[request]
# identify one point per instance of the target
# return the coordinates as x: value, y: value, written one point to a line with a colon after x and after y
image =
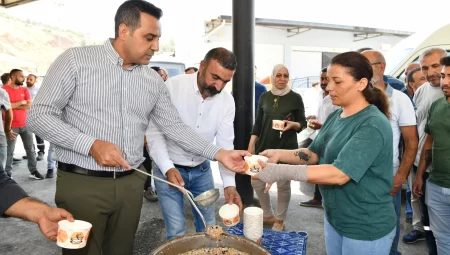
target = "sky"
x: 186, y: 18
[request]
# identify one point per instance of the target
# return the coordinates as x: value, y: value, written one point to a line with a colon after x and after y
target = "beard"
x: 208, y: 90
x: 29, y: 84
x: 18, y: 83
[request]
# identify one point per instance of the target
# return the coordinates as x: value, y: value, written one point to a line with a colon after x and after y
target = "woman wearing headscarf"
x: 280, y: 103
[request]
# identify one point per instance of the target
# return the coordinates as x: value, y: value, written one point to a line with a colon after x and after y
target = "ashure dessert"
x: 214, y: 231
x: 215, y: 251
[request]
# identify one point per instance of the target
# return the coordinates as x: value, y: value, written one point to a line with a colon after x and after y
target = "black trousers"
x: 40, y: 144
x: 148, y: 167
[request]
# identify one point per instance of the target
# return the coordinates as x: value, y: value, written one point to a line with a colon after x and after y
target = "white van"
x: 173, y: 65
x: 408, y: 50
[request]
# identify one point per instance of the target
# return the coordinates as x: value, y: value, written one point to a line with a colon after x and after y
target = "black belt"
x: 79, y: 170
x: 187, y: 168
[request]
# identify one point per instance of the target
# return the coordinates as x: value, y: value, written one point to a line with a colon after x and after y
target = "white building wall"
x: 301, y: 53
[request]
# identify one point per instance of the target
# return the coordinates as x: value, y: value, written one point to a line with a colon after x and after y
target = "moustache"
x: 433, y: 76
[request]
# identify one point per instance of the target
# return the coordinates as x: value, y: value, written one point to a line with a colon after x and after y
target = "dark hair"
x: 32, y: 75
x: 14, y: 71
x: 445, y: 61
x: 324, y: 70
x: 409, y: 76
x: 363, y: 49
x: 191, y: 68
x: 129, y: 13
x: 5, y: 78
x: 226, y: 58
x: 359, y: 67
x: 156, y: 68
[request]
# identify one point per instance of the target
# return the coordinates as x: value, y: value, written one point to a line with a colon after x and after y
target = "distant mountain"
x: 32, y: 46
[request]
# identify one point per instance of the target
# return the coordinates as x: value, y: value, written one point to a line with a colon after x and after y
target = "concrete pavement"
x: 18, y: 237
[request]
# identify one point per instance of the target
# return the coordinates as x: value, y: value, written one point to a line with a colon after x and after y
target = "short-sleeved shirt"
x: 360, y: 146
x: 5, y: 105
x: 438, y: 125
x: 402, y: 115
x: 33, y: 91
x: 16, y: 95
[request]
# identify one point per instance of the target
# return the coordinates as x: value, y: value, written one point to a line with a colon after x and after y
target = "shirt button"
x: 198, y: 126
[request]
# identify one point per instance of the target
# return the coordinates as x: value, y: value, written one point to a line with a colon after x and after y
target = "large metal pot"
x: 200, y: 240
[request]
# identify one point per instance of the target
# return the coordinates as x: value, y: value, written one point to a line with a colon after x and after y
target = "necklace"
x: 275, y: 102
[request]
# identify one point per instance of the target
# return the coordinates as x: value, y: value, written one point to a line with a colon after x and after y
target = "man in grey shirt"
x: 5, y: 128
x: 97, y: 126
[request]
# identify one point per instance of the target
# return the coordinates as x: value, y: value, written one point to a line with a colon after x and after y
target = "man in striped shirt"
x: 97, y: 125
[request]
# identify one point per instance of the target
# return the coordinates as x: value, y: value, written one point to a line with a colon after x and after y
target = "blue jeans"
x: 438, y: 201
x: 196, y: 180
x: 51, y: 157
x: 397, y: 200
x: 337, y: 244
x: 408, y: 208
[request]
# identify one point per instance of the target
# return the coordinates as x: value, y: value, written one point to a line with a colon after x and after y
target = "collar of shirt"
x: 112, y: 54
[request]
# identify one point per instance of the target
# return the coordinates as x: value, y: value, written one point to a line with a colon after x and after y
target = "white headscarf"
x: 275, y: 91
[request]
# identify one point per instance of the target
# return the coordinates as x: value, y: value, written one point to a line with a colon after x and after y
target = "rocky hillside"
x: 33, y: 47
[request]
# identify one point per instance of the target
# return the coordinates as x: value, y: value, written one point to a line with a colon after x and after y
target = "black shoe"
x: 49, y: 174
x: 25, y: 157
x: 150, y: 195
x: 40, y: 156
x: 36, y: 175
x: 16, y: 159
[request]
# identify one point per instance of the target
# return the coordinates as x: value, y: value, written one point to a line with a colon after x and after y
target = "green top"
x: 270, y: 108
x: 438, y: 125
x: 360, y: 146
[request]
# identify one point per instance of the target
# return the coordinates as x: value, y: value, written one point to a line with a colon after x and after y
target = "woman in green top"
x: 280, y: 103
x: 354, y: 152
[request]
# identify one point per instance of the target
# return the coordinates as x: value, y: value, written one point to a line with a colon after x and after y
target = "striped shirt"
x: 87, y: 95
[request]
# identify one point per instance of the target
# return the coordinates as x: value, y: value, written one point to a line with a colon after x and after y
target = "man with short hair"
x: 20, y: 103
x: 206, y: 107
x: 436, y: 151
x: 190, y: 70
x: 5, y: 79
x: 403, y: 123
x: 415, y: 79
x: 326, y: 107
x: 423, y: 98
x: 31, y: 86
x: 98, y: 124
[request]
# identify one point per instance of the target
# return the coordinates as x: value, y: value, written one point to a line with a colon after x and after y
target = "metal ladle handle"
x: 189, y: 195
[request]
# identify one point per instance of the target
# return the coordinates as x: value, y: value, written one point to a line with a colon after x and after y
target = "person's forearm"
x: 251, y: 144
x: 16, y: 104
x: 322, y: 174
x: 425, y: 156
x: 298, y: 157
x: 297, y: 126
x: 8, y: 120
x: 408, y: 159
x: 27, y: 209
x: 24, y: 107
x: 45, y: 121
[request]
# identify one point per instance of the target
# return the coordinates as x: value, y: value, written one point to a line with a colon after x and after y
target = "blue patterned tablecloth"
x: 277, y: 242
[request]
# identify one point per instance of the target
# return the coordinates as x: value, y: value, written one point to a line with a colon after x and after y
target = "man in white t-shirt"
x: 326, y: 107
x: 403, y: 123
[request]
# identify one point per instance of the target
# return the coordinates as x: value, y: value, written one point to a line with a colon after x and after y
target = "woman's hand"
x: 314, y: 124
x: 272, y: 155
x: 288, y: 125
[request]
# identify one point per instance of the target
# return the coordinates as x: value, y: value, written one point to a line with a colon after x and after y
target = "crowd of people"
x: 371, y: 133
